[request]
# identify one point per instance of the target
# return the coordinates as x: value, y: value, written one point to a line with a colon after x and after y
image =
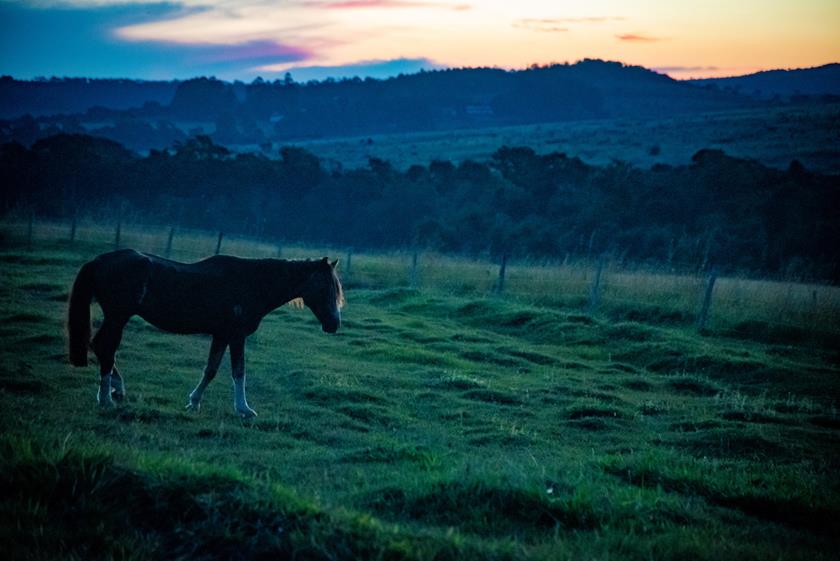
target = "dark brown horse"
x: 225, y: 297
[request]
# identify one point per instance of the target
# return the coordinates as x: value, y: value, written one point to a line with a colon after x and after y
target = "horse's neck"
x: 284, y: 280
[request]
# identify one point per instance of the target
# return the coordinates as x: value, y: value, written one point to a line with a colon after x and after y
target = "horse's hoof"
x: 117, y: 396
x: 246, y: 413
x: 194, y: 406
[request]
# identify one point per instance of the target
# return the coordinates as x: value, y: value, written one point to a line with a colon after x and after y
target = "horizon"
x: 349, y: 75
x: 320, y: 39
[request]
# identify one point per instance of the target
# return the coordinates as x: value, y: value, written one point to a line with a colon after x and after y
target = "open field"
x: 439, y: 423
x: 772, y: 135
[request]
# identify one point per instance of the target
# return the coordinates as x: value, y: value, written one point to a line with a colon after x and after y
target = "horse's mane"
x: 339, y: 290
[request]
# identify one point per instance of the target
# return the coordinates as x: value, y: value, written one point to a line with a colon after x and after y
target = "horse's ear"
x: 325, y: 259
x: 334, y: 264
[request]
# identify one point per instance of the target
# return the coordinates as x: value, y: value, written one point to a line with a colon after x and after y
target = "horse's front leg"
x: 237, y: 363
x: 117, y: 385
x: 217, y: 351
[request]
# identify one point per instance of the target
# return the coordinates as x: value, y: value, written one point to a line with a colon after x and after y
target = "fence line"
x: 719, y: 305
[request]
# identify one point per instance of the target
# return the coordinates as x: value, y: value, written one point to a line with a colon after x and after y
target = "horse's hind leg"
x: 104, y: 346
x: 217, y: 351
x: 237, y: 363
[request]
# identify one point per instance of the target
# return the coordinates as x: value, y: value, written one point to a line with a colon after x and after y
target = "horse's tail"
x: 78, y: 315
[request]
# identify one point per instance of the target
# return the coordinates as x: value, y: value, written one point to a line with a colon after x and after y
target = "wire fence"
x: 772, y: 311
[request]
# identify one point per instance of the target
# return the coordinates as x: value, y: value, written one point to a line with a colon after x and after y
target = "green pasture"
x: 441, y: 422
x: 773, y: 135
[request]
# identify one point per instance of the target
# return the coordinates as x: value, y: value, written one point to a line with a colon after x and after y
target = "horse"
x: 223, y: 296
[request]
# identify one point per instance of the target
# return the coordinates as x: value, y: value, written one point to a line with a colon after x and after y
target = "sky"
x: 315, y: 39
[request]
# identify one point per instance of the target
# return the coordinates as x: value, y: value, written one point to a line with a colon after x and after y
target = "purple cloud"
x: 257, y: 52
x: 669, y: 69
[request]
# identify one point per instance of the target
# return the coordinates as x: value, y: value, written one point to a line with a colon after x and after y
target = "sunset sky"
x: 242, y: 39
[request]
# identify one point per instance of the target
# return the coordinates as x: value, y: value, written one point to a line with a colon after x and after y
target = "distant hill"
x: 77, y: 95
x: 435, y: 100
x: 817, y: 81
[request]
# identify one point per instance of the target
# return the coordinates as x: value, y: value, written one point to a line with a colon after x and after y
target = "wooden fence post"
x: 118, y: 234
x: 219, y: 242
x: 500, y: 284
x: 413, y: 277
x: 595, y: 287
x: 169, y: 241
x: 707, y: 301
x: 29, y: 231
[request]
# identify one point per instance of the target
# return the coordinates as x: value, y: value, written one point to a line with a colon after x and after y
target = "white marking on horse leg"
x: 196, y: 395
x: 117, y: 386
x: 239, y: 401
x: 103, y: 396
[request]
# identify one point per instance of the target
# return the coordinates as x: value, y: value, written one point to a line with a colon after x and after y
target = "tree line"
x: 144, y: 115
x: 715, y: 211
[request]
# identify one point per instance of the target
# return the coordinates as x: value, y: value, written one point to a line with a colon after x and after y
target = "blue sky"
x: 313, y: 39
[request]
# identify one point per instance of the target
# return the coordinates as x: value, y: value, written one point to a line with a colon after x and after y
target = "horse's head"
x: 324, y: 295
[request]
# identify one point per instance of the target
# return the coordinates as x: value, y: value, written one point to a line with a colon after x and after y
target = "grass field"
x: 439, y: 423
x: 772, y: 135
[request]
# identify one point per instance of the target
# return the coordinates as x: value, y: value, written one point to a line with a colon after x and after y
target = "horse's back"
x: 195, y: 297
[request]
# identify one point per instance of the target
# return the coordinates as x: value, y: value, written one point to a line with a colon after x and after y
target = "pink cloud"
x: 638, y: 37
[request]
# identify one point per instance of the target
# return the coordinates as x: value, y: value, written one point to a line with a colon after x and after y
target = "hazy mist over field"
x: 509, y: 280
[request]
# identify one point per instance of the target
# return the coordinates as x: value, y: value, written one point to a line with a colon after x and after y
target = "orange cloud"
x: 549, y: 25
